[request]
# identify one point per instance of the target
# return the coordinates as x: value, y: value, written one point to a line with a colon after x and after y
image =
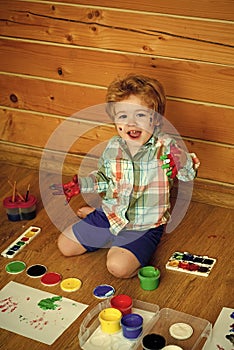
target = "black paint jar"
x: 153, y: 342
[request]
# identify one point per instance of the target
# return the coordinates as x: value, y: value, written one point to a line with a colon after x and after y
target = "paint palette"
x: 190, y: 263
x: 23, y: 240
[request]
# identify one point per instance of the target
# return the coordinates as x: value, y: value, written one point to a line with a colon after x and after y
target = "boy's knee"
x: 116, y: 269
x: 63, y: 246
x: 68, y: 247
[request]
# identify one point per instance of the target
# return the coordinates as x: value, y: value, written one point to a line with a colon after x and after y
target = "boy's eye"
x: 121, y: 116
x: 141, y: 115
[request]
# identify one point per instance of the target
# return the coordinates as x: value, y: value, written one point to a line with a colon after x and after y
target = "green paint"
x: 15, y: 267
x: 49, y: 303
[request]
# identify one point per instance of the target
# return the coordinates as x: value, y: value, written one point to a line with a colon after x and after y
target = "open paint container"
x: 132, y: 325
x: 153, y: 342
x: 110, y: 320
x: 123, y: 303
x: 149, y: 277
x: 20, y: 210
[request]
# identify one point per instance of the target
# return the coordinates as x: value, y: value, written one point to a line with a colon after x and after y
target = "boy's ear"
x: 157, y: 119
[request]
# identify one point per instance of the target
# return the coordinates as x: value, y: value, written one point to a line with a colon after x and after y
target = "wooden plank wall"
x: 57, y: 58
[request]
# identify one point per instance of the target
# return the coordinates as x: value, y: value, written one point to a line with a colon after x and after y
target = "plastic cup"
x: 20, y: 210
x: 132, y: 326
x: 123, y: 303
x: 149, y: 277
x: 110, y: 320
x: 153, y: 342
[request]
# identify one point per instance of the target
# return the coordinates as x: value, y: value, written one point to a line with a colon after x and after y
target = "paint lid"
x: 70, y: 284
x: 51, y: 279
x: 15, y: 267
x: 36, y: 271
x: 181, y: 331
x: 103, y: 291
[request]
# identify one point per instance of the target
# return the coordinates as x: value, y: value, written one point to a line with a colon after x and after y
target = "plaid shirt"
x: 136, y: 189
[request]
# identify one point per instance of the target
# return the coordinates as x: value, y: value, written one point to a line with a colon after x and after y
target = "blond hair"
x: 149, y: 90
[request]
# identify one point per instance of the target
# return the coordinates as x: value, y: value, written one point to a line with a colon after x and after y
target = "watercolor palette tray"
x: 190, y: 263
x: 166, y: 317
x: 91, y: 336
x: 23, y: 240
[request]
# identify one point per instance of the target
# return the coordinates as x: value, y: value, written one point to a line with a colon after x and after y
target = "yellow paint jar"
x: 110, y: 320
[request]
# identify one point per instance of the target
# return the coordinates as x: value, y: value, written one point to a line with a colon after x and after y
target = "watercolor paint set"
x: 23, y: 240
x: 200, y: 265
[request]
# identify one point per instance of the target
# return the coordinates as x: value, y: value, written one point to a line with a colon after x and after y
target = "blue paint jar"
x: 132, y: 326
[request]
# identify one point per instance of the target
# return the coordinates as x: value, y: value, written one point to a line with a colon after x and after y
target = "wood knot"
x: 60, y: 71
x: 94, y: 29
x: 13, y: 98
x: 93, y: 14
x: 69, y: 38
x: 147, y: 48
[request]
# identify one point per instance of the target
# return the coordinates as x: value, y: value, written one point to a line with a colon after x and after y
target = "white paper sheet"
x: 223, y: 327
x: 36, y: 314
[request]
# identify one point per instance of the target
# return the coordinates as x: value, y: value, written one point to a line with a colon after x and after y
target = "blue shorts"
x: 93, y: 233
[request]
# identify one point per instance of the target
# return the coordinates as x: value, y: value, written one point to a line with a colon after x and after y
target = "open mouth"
x: 134, y: 134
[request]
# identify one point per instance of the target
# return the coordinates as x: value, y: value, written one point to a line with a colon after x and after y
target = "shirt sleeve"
x: 188, y: 172
x: 97, y: 181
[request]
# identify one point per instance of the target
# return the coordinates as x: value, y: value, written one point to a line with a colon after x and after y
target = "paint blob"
x: 36, y: 271
x: 51, y: 279
x: 15, y: 267
x: 49, y: 303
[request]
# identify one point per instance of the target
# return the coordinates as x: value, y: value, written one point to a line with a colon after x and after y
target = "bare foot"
x: 84, y: 211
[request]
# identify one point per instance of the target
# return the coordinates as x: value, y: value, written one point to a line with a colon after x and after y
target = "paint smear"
x: 49, y: 303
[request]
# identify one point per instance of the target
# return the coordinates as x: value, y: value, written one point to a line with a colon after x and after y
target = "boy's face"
x: 134, y: 120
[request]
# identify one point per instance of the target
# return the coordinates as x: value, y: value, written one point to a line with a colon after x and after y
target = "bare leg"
x: 122, y: 263
x: 84, y: 211
x: 68, y: 244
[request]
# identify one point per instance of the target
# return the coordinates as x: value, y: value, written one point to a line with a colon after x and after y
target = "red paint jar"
x: 123, y: 303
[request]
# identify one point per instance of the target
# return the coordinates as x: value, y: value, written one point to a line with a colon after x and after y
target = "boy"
x: 133, y: 178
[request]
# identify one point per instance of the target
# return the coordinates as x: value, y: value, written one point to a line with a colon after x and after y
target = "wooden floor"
x: 205, y: 230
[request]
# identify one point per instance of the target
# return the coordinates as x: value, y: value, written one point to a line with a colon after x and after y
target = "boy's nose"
x: 131, y: 120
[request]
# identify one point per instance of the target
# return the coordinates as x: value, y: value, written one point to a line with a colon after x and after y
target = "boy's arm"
x: 96, y: 182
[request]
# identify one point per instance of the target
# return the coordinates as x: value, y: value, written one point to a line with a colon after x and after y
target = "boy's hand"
x: 70, y: 189
x: 173, y: 161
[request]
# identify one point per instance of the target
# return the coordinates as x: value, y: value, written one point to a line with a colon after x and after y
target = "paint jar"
x: 153, y: 342
x: 149, y: 277
x: 20, y: 210
x: 110, y: 320
x: 123, y: 303
x: 132, y: 326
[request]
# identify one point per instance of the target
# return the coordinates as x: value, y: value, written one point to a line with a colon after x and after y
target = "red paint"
x: 51, y: 278
x: 183, y: 265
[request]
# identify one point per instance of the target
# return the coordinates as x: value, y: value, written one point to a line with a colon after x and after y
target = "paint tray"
x: 167, y: 317
x: 91, y: 336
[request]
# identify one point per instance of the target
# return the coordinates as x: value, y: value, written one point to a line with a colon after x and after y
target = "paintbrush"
x: 13, y: 193
x: 16, y: 192
x: 27, y: 193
